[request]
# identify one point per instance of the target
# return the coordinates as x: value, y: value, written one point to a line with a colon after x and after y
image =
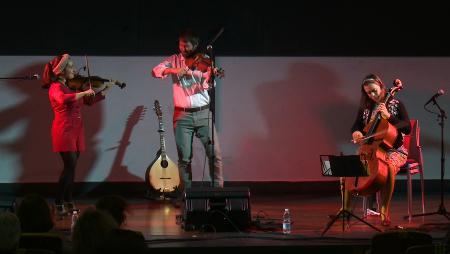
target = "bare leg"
x: 386, y: 194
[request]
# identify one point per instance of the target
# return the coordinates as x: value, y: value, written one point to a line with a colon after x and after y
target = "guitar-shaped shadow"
x: 118, y: 171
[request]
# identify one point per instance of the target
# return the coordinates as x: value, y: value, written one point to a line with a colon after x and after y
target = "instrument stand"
x: 163, y: 196
x: 441, y: 210
x: 342, y: 166
x: 158, y: 196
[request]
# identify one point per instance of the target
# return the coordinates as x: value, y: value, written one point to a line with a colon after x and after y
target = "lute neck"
x: 162, y: 141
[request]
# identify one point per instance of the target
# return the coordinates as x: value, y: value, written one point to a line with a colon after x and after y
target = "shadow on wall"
x: 33, y: 146
x: 305, y: 116
x: 38, y: 163
x: 118, y: 171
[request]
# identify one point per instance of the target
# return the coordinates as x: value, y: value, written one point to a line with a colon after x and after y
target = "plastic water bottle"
x: 286, y: 221
x: 74, y: 219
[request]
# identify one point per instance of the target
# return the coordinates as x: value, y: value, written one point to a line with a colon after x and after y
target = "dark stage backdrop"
x: 275, y: 116
x: 252, y: 28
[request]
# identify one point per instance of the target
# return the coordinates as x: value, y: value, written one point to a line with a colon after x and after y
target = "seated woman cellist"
x: 373, y: 96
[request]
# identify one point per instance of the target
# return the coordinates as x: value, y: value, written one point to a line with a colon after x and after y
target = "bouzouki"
x: 162, y: 175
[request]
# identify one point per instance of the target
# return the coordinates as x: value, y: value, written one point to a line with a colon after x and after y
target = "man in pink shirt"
x: 191, y: 115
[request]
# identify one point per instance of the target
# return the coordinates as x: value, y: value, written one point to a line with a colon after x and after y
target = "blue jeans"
x: 186, y: 125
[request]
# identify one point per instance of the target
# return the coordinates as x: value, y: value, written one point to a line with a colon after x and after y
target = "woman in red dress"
x: 67, y: 128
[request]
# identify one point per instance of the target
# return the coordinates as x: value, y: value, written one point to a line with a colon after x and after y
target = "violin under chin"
x: 74, y: 86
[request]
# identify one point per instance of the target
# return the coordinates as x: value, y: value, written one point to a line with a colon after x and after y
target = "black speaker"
x: 216, y: 209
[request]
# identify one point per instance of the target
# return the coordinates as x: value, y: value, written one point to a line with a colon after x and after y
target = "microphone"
x: 209, y: 47
x: 439, y: 93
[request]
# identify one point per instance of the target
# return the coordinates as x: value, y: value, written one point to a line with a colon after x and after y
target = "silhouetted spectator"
x: 34, y: 214
x: 123, y: 241
x: 116, y: 206
x: 91, y: 230
x: 9, y: 232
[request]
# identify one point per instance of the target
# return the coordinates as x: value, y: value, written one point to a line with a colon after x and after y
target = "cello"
x: 379, y: 137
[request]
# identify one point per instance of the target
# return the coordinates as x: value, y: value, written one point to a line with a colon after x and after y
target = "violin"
x: 380, y: 136
x: 201, y: 62
x: 80, y: 82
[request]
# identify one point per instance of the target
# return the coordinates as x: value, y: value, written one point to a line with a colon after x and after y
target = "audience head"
x: 116, y: 206
x: 91, y: 230
x: 9, y: 232
x: 34, y: 214
x: 123, y: 241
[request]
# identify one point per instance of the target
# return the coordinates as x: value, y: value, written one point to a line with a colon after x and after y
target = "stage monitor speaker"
x: 216, y: 209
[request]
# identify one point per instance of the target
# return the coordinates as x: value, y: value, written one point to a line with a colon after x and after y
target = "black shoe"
x: 71, y: 207
x: 60, y: 210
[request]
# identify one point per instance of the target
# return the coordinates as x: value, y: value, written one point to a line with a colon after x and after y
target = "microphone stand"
x: 34, y: 77
x: 212, y: 106
x: 441, y: 210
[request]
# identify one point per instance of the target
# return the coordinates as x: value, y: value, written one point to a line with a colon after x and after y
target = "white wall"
x: 275, y: 116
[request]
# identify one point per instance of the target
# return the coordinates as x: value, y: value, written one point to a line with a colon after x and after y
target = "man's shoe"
x: 71, y: 207
x: 60, y: 210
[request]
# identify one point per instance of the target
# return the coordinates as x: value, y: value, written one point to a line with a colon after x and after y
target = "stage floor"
x: 157, y: 222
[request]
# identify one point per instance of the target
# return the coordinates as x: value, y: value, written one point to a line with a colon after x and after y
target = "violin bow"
x: 215, y: 37
x: 401, y: 125
x: 367, y: 137
x: 209, y: 50
x: 88, y: 72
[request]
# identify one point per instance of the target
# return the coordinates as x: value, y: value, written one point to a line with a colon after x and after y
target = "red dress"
x: 67, y: 127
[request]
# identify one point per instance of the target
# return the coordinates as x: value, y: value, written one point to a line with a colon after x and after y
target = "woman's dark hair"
x: 366, y: 102
x: 115, y: 206
x: 34, y: 214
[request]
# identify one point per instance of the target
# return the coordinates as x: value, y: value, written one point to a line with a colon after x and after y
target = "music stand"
x: 343, y: 166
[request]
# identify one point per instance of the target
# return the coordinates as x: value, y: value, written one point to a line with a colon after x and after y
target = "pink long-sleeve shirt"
x: 188, y: 91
